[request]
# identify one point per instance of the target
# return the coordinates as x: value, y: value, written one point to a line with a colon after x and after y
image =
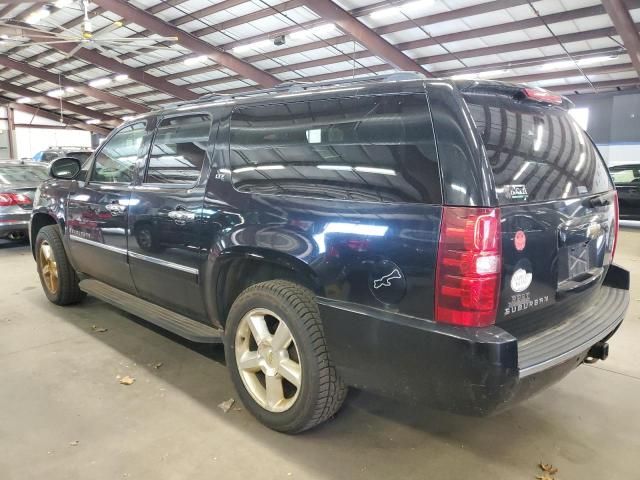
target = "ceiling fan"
x: 38, y: 30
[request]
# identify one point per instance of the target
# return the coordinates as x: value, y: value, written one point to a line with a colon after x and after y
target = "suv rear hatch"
x: 557, y: 204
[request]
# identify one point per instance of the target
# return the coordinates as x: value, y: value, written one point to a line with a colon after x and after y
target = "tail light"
x: 541, y: 95
x: 469, y: 266
x: 616, y: 227
x: 10, y: 199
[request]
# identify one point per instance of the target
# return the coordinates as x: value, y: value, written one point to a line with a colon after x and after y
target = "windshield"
x: 13, y: 174
x: 536, y: 152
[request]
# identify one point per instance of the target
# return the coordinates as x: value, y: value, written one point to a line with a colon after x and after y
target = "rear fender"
x: 233, y: 270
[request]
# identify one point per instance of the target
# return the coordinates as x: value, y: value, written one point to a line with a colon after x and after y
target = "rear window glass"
x: 536, y: 152
x: 10, y: 175
x: 369, y: 148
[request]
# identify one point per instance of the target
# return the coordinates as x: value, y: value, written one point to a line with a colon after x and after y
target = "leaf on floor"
x: 548, y: 468
x: 226, y: 405
x: 99, y: 329
x: 548, y: 471
x: 127, y: 380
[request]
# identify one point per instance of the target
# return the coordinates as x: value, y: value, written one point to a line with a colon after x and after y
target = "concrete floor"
x: 58, y: 386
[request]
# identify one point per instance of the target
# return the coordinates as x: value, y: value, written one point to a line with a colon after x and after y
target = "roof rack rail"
x: 299, y: 86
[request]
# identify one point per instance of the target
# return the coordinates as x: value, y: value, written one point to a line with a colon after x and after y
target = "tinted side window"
x: 179, y: 149
x: 370, y: 148
x: 116, y: 161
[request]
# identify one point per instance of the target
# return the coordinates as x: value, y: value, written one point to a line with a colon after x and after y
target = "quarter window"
x: 369, y: 148
x: 116, y: 161
x: 179, y: 149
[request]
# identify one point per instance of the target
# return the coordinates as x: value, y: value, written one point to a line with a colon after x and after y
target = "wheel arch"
x: 236, y: 269
x: 38, y: 221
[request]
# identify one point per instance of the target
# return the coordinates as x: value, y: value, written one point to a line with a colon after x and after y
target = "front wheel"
x: 58, y: 278
x: 278, y: 358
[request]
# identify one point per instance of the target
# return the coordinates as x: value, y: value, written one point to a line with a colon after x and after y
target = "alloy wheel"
x: 48, y: 267
x: 268, y: 360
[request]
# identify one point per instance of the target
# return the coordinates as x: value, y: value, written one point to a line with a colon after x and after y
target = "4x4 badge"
x: 385, y: 281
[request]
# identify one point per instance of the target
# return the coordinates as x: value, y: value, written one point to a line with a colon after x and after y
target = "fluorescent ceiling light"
x: 381, y: 171
x: 56, y: 93
x: 335, y: 167
x: 407, y: 8
x: 126, y: 118
x: 38, y: 15
x: 194, y: 60
x: 244, y: 169
x: 123, y: 77
x: 270, y: 167
x: 93, y: 121
x: 100, y: 82
x: 252, y: 46
x: 63, y: 3
x: 24, y: 100
x: 581, y: 62
x: 325, y: 28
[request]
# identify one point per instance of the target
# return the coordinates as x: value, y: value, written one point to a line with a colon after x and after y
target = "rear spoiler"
x: 524, y: 93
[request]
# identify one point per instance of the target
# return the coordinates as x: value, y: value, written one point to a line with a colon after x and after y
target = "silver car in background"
x: 18, y: 183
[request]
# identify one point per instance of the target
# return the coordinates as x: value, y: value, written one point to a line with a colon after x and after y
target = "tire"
x: 64, y: 290
x: 146, y: 238
x: 321, y: 392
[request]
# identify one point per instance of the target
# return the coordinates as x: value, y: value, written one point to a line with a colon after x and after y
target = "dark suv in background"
x: 445, y: 242
x: 52, y: 153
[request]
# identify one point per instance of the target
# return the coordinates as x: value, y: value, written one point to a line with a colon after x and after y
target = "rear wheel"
x: 278, y: 357
x: 58, y: 278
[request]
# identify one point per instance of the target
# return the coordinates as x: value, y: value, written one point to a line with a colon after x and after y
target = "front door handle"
x: 181, y: 216
x: 115, y: 209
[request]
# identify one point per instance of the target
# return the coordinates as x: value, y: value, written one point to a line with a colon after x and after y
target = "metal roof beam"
x: 48, y: 114
x: 58, y: 103
x: 50, y: 77
x: 625, y: 27
x: 77, y: 21
x: 587, y: 88
x: 365, y: 35
x: 189, y: 41
x: 139, y: 76
x: 478, y: 52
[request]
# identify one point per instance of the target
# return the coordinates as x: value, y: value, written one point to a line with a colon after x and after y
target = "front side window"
x: 179, y: 149
x: 116, y: 161
x: 368, y: 148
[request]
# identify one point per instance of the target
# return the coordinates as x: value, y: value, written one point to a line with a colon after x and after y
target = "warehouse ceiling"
x: 98, y: 62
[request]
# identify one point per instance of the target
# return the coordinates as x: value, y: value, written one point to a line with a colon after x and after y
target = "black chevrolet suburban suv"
x: 447, y: 242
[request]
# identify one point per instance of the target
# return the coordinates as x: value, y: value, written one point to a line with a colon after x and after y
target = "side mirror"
x: 65, y: 168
